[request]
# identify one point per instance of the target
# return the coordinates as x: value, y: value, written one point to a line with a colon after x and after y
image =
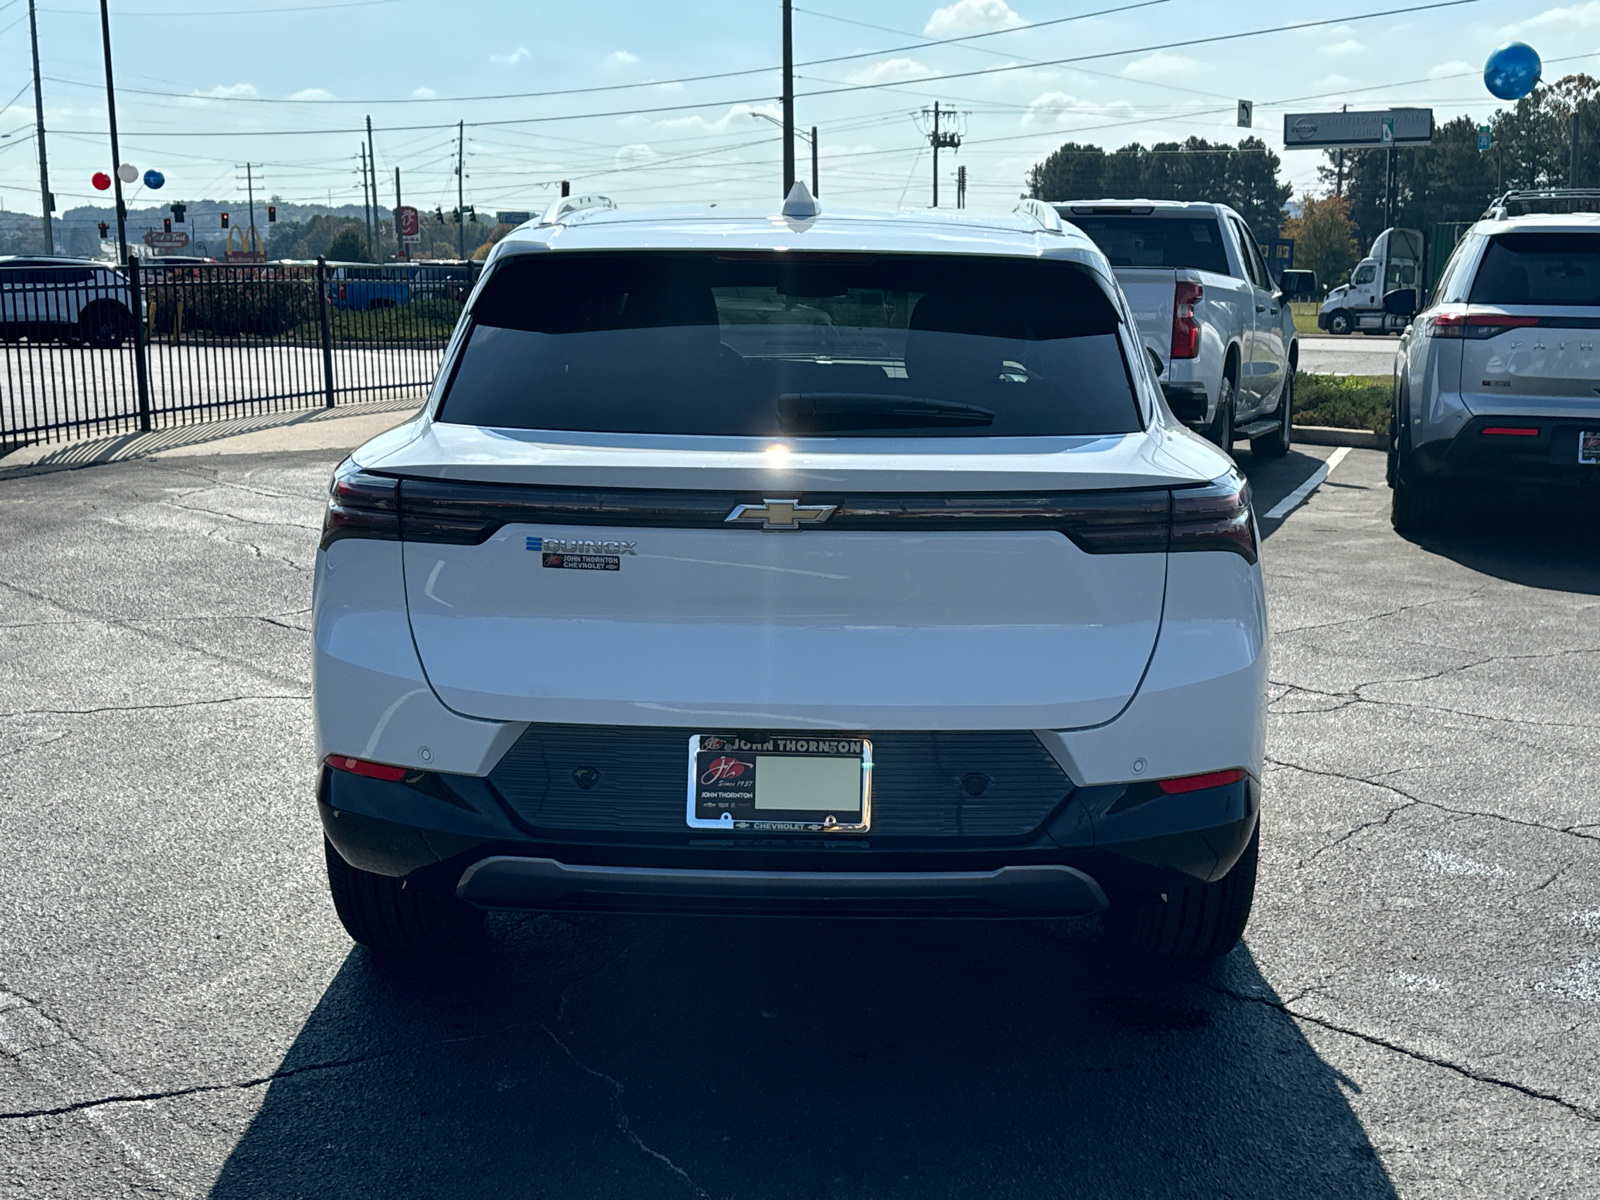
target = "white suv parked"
x: 64, y: 298
x: 1497, y: 378
x: 797, y: 561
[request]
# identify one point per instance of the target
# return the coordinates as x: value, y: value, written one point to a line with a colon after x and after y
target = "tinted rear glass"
x: 762, y: 345
x: 1192, y: 242
x: 1539, y: 268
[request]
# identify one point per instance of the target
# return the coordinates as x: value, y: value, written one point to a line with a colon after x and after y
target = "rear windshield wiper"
x: 807, y: 411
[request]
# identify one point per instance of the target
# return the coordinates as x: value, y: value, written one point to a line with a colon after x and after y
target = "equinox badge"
x: 780, y: 514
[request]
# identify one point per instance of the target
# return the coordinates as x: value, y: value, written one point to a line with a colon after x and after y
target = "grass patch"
x: 1343, y: 401
x: 1305, y: 315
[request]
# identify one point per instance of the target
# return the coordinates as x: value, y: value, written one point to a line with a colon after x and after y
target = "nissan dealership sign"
x: 1386, y: 127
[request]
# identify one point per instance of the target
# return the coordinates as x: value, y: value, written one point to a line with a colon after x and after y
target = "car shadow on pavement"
x: 592, y: 1056
x: 1554, y: 545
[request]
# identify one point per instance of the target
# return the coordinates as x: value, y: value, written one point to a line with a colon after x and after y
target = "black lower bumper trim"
x: 1547, y: 457
x: 1041, y: 890
x: 1187, y: 401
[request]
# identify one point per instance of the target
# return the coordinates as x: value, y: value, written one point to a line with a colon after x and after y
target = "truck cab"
x: 1393, y: 264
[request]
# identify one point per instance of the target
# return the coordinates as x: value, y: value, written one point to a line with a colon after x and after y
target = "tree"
x: 292, y: 239
x: 1324, y: 238
x: 1071, y: 173
x: 349, y: 245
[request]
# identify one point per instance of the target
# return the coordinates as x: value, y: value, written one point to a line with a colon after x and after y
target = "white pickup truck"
x: 1216, y: 325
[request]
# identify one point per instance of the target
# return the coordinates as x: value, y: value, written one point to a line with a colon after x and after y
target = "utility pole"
x: 46, y: 200
x: 1338, y: 176
x: 400, y: 254
x: 948, y: 139
x: 461, y: 188
x: 252, y: 237
x: 961, y: 186
x: 372, y: 165
x: 1572, y: 172
x: 366, y: 197
x: 788, y: 97
x: 815, y: 190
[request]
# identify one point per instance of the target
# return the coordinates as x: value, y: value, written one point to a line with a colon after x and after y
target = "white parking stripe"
x: 1294, y: 499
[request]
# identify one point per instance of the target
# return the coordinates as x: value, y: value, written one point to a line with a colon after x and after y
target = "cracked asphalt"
x: 1414, y: 1011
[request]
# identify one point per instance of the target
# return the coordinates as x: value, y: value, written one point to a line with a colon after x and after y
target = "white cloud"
x: 889, y: 70
x: 1054, y: 108
x: 620, y: 58
x: 223, y: 91
x: 971, y: 16
x: 637, y: 152
x: 671, y: 86
x: 1161, y: 65
x: 1573, y: 16
x: 312, y: 94
x: 738, y: 118
x: 516, y: 56
x: 423, y: 93
x: 1340, y: 49
x: 1453, y: 67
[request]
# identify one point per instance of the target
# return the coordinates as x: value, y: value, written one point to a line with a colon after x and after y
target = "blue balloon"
x: 1512, y: 71
x: 154, y: 179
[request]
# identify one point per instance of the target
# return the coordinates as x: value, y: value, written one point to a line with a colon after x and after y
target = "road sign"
x: 1485, y: 138
x: 167, y: 241
x: 1390, y: 127
x: 513, y: 218
x: 410, y: 225
x: 1246, y: 111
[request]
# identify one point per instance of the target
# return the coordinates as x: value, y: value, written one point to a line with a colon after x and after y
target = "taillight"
x: 1476, y: 326
x: 1509, y: 431
x: 1215, y: 517
x: 372, y: 770
x: 1195, y: 783
x: 1185, y: 327
x: 361, y: 505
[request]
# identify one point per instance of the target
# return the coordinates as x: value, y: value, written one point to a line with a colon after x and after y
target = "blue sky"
x: 286, y: 83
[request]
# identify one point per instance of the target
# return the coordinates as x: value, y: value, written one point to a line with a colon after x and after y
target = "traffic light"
x: 224, y: 220
x: 177, y: 212
x: 439, y: 213
x: 272, y: 213
x: 166, y: 224
x: 474, y: 213
x: 105, y: 231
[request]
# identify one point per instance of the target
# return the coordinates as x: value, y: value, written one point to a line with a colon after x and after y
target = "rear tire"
x: 399, y: 921
x: 1276, y: 444
x: 1192, y: 922
x: 1221, y: 431
x: 1416, y: 506
x: 105, y: 326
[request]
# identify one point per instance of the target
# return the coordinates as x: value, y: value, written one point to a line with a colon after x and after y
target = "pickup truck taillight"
x: 361, y: 505
x: 1185, y: 326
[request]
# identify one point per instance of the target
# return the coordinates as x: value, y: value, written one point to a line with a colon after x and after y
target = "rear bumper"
x: 1188, y: 402
x: 453, y: 835
x: 1548, y: 457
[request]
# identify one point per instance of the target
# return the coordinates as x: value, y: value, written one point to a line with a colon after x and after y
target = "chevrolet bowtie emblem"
x: 780, y: 514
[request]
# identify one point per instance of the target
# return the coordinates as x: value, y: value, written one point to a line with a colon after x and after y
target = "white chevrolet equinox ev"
x: 792, y: 561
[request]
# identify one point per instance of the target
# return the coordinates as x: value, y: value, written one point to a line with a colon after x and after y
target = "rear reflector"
x: 1509, y: 431
x: 1195, y: 783
x: 372, y: 770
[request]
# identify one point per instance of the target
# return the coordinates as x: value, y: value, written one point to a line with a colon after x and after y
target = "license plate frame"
x: 813, y: 785
x: 1589, y: 447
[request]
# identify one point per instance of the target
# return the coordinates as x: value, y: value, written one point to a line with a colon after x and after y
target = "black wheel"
x: 1416, y: 505
x: 1191, y: 922
x: 1221, y: 431
x: 1339, y: 322
x: 1276, y: 444
x: 383, y: 913
x: 105, y: 326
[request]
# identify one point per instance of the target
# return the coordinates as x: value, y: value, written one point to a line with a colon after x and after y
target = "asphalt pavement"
x: 1413, y: 1013
x: 1355, y: 354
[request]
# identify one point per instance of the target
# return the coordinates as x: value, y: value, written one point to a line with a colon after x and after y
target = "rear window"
x: 1193, y: 242
x: 767, y: 344
x: 1539, y: 268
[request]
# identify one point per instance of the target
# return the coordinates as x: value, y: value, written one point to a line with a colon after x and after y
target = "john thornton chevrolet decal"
x: 574, y: 554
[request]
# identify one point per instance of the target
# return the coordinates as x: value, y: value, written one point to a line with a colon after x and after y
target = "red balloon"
x: 101, y: 180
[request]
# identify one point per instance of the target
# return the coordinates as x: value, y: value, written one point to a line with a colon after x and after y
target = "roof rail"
x: 1048, y: 218
x: 567, y: 205
x: 1497, y: 208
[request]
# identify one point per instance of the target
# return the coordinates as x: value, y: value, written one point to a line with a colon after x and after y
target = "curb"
x: 1327, y: 435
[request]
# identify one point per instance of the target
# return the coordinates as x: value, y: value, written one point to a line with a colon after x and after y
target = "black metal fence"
x: 213, y: 340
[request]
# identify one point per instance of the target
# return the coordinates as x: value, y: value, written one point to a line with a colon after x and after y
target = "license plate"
x: 780, y: 784
x: 1589, y: 447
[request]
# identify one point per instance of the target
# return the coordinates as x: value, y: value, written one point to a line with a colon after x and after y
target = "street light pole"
x: 116, y: 155
x: 788, y: 97
x: 815, y: 190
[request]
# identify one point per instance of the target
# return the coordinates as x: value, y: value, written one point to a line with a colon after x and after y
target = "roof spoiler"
x: 1048, y: 218
x: 567, y: 205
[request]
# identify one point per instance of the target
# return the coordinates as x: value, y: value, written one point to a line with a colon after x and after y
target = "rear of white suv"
x: 841, y: 565
x: 1499, y: 378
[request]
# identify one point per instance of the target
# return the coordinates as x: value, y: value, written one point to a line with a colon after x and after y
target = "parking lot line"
x: 1293, y: 500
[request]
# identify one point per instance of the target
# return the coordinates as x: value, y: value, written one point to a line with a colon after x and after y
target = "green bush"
x: 1343, y: 401
x: 230, y: 306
